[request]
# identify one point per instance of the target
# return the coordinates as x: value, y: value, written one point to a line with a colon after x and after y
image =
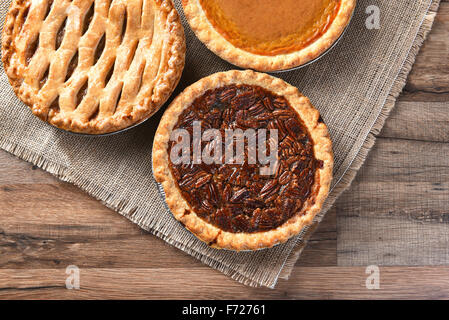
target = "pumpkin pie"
x: 268, y: 35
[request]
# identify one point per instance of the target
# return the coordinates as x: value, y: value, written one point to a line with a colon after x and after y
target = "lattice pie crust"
x: 93, y: 66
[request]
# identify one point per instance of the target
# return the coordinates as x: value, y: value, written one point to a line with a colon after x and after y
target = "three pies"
x: 93, y: 66
x: 268, y: 35
x: 239, y: 206
x: 99, y: 66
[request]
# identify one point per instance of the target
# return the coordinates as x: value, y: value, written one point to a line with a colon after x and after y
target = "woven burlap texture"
x: 354, y: 87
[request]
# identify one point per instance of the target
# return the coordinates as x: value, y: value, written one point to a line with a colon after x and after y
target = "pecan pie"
x: 237, y: 205
x: 93, y: 66
x: 268, y: 35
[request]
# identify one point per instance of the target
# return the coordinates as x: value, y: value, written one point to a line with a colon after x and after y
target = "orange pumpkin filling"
x: 268, y: 27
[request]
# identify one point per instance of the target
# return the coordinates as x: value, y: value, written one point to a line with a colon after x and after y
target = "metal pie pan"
x: 90, y: 135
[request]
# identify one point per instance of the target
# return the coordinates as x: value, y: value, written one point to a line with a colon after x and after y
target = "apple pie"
x: 93, y: 66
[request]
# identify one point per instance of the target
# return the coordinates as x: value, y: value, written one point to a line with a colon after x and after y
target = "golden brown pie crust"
x: 90, y: 66
x: 264, y: 48
x: 178, y: 205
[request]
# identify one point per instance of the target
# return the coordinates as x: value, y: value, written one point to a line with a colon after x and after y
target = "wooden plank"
x: 321, y: 249
x: 426, y: 282
x: 406, y: 161
x: 15, y: 171
x: 425, y: 121
x: 431, y: 71
x: 396, y: 211
x: 204, y: 283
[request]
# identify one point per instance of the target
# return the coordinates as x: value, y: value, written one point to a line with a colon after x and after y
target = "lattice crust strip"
x: 93, y: 66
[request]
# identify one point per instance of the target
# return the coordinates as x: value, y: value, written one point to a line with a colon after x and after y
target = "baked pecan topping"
x: 237, y: 197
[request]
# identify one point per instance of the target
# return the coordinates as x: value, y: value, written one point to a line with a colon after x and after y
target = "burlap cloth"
x: 354, y: 87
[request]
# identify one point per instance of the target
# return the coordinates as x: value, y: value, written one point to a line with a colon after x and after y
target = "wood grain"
x: 395, y: 215
x: 431, y: 71
x: 196, y: 282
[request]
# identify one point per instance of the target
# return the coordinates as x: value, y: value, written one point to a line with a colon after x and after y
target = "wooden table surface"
x: 395, y: 215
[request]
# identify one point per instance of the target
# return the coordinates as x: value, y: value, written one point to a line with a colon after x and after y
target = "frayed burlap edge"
x: 351, y: 172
